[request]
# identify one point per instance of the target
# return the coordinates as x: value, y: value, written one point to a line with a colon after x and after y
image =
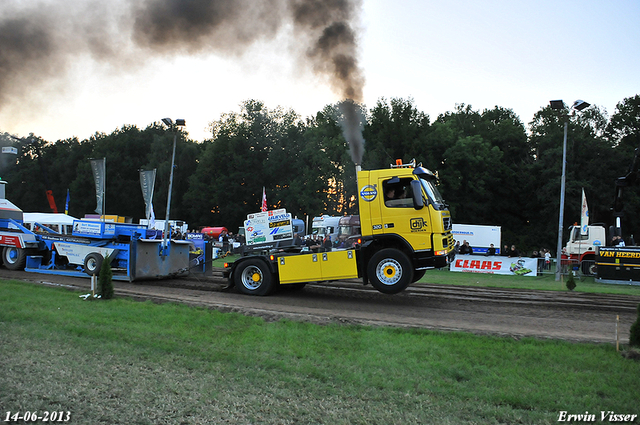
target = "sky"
x: 516, y: 55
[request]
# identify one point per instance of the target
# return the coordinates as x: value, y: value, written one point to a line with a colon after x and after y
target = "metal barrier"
x: 582, y: 268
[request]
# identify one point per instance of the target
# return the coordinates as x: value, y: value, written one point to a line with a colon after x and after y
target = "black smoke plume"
x: 39, y: 41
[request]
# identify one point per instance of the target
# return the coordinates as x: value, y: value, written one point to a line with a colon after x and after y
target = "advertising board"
x: 268, y: 226
x: 479, y: 237
x: 495, y: 265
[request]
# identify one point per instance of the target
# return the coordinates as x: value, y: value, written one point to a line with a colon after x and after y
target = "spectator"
x: 547, y: 259
x: 465, y: 249
x: 224, y: 238
x: 491, y: 250
x: 327, y: 245
x: 617, y: 241
x: 513, y: 252
x: 505, y: 251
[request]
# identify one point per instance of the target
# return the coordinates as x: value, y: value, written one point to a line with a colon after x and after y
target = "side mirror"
x: 416, y: 189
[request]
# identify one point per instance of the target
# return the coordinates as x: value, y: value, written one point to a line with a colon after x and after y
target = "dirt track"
x: 543, y: 314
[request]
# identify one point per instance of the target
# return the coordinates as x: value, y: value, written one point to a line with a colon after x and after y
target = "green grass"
x: 545, y: 282
x: 121, y: 361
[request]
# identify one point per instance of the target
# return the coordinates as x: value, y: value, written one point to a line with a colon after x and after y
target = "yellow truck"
x: 406, y: 230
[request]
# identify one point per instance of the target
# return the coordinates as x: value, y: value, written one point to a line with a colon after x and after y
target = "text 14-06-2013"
x: 46, y: 416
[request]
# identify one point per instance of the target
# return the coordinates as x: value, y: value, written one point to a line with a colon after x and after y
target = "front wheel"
x: 253, y: 277
x: 390, y: 271
x: 417, y: 275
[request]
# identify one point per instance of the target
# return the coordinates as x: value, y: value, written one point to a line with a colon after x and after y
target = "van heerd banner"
x: 497, y: 265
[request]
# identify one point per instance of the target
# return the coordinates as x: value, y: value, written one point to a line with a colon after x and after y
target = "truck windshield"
x: 344, y: 230
x: 432, y: 193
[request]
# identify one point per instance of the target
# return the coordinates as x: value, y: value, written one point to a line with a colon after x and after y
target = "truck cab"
x: 581, y: 248
x: 325, y: 225
x: 401, y: 207
x: 349, y: 231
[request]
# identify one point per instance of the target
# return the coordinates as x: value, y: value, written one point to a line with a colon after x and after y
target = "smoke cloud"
x: 41, y: 39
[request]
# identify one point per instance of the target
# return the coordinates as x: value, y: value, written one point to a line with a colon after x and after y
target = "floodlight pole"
x: 562, y: 191
x: 578, y: 105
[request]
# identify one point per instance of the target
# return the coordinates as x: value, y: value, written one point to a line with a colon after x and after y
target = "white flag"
x: 584, y: 216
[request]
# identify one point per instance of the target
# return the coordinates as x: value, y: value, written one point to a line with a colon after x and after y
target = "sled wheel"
x: 93, y: 263
x: 14, y: 258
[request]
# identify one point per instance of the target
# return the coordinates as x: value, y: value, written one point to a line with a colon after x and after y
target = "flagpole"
x: 104, y: 191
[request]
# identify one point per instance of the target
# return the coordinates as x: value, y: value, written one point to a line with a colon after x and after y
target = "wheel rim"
x: 91, y: 264
x: 252, y: 278
x: 389, y: 271
x: 11, y: 255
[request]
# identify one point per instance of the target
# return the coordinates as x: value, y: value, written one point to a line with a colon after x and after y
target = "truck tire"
x: 417, y: 275
x: 93, y: 263
x: 14, y: 258
x: 390, y: 271
x: 253, y: 277
x: 589, y: 267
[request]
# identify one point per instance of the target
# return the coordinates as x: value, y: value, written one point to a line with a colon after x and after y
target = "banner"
x: 584, y: 216
x: 147, y: 183
x: 99, y: 168
x: 264, y: 200
x: 515, y: 266
x: 268, y: 226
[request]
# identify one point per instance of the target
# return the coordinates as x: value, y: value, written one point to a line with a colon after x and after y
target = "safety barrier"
x: 582, y: 268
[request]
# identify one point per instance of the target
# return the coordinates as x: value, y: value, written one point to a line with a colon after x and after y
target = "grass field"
x: 121, y: 361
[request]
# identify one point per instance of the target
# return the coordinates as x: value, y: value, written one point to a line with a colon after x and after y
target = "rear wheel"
x: 390, y: 271
x: 253, y: 277
x: 14, y: 258
x: 589, y: 267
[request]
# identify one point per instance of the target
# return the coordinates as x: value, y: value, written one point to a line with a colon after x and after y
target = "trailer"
x: 480, y: 237
x: 406, y: 230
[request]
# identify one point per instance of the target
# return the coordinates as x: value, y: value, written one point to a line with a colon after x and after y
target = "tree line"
x: 493, y: 169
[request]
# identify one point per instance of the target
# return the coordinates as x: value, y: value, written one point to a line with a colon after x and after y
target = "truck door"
x: 399, y: 216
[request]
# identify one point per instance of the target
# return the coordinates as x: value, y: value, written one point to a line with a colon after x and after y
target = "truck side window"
x: 398, y: 193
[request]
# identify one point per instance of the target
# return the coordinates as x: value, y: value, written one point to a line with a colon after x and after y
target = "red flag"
x: 52, y: 202
x: 264, y: 200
